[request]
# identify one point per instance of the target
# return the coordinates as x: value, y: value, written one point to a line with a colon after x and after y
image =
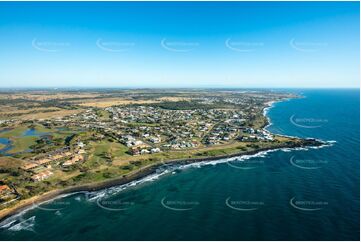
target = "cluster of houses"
x: 138, y: 127
x: 143, y: 150
x: 217, y: 99
x: 130, y: 141
x: 42, y: 175
x: 180, y: 144
x: 7, y: 193
x: 73, y: 160
x: 223, y: 132
x: 41, y: 167
x: 148, y: 114
x: 148, y: 129
x: 4, y: 189
x: 6, y: 122
x: 252, y: 135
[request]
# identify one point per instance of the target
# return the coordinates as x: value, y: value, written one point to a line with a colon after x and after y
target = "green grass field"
x: 22, y: 143
x: 18, y: 131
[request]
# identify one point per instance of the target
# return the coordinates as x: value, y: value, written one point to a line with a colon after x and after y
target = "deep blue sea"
x: 283, y: 195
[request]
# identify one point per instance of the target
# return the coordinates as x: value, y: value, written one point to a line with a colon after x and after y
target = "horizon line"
x: 185, y: 87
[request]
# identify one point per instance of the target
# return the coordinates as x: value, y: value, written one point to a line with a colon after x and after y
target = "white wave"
x: 93, y: 196
x: 331, y: 141
x: 261, y: 154
x: 8, y: 224
x: 265, y: 112
x: 270, y: 105
x: 286, y: 149
x: 269, y: 121
x: 327, y: 144
x: 27, y: 224
x: 18, y: 217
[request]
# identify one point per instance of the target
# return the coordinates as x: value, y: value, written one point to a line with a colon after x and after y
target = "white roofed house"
x: 73, y: 160
x: 155, y: 150
x: 138, y: 142
x: 42, y: 176
x: 144, y: 151
x: 81, y: 144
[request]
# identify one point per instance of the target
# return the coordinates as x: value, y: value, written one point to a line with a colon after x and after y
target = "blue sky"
x: 179, y: 44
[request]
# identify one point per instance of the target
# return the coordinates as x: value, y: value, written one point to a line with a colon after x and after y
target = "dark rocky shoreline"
x: 139, y: 174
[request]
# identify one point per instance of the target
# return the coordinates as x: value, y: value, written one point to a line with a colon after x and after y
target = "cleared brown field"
x: 37, y: 114
x: 108, y: 102
x: 18, y: 112
x: 9, y: 162
x: 47, y: 96
x: 50, y: 115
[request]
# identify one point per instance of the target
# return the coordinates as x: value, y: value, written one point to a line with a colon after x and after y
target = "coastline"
x: 143, y: 172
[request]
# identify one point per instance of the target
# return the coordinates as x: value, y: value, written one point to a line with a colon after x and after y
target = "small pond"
x: 8, y: 145
x: 33, y: 132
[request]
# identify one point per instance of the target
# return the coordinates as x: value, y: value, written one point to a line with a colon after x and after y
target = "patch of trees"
x: 136, y: 163
x: 126, y: 167
x: 69, y: 139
